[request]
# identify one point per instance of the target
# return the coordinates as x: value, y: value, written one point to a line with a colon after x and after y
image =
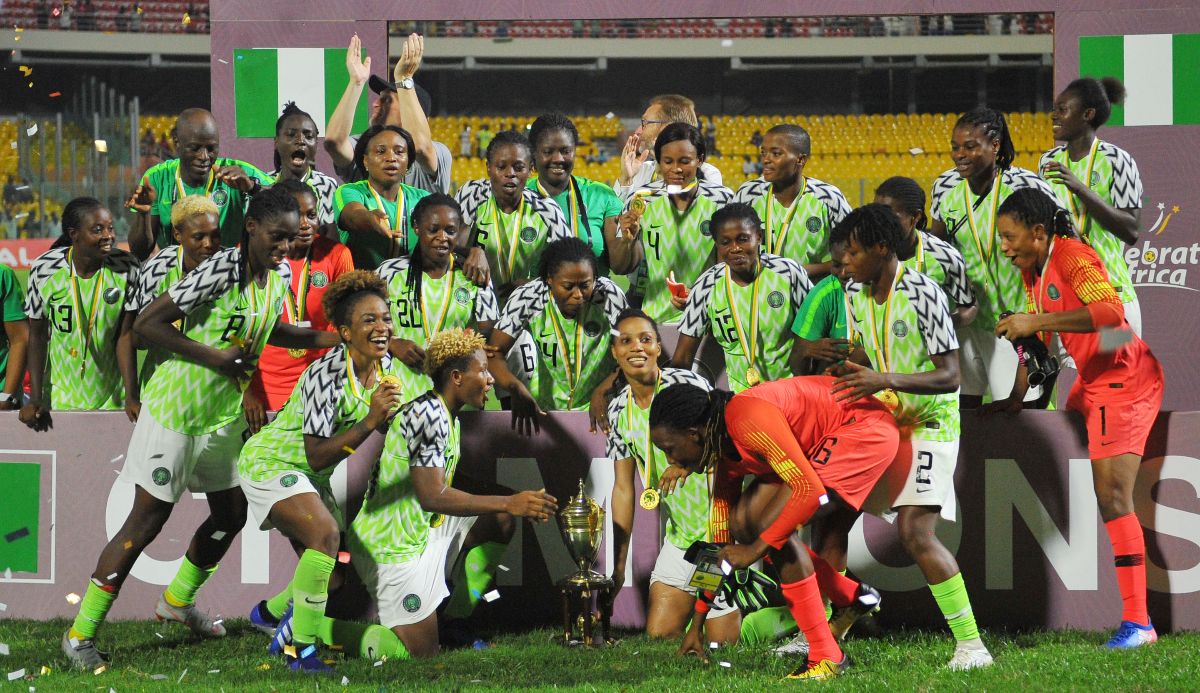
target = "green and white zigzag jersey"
x: 392, y: 527
x: 674, y: 241
x: 1116, y: 180
x: 160, y: 273
x: 464, y: 305
x: 324, y: 404
x: 993, y: 278
x: 531, y: 308
x: 324, y: 187
x: 942, y: 263
x: 781, y: 286
x: 899, y: 337
x: 799, y: 232
x: 512, y: 242
x: 81, y: 373
x: 192, y: 399
x: 686, y: 509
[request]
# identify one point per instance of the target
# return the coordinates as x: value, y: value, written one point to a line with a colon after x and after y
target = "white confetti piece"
x: 726, y: 43
x: 8, y: 573
x: 727, y: 665
x: 32, y: 689
x: 72, y: 598
x: 503, y: 567
x: 226, y: 62
x: 345, y: 681
x: 491, y: 596
x: 160, y: 636
x: 379, y: 663
x: 713, y: 645
x: 111, y: 576
x: 14, y: 675
x: 3, y: 606
x: 3, y: 649
x: 218, y: 535
x: 214, y: 671
x: 916, y: 150
x: 181, y: 676
x: 116, y: 459
x: 102, y: 146
x: 158, y: 677
x: 31, y: 130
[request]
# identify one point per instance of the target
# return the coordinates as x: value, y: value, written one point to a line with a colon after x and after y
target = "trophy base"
x: 583, y: 595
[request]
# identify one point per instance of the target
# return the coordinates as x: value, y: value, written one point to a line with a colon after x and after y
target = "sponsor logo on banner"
x: 1156, y: 261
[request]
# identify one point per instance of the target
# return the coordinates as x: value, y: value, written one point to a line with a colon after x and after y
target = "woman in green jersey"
x: 636, y: 349
x: 668, y: 223
x: 429, y: 293
x: 1097, y: 181
x: 81, y: 348
x: 373, y: 214
x: 512, y: 223
x: 190, y: 428
x: 747, y: 302
x: 568, y: 313
x: 590, y: 207
x: 285, y: 468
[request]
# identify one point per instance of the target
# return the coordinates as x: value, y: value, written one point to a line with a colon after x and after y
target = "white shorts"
x: 673, y: 570
x: 407, y: 593
x: 263, y: 495
x: 166, y: 463
x: 988, y: 363
x: 930, y: 479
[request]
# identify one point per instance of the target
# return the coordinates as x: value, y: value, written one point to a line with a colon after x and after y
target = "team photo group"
x: 262, y: 325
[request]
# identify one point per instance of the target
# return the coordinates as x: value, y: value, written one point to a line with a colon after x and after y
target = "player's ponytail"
x: 1031, y: 206
x: 995, y: 128
x: 73, y: 217
x: 1099, y: 95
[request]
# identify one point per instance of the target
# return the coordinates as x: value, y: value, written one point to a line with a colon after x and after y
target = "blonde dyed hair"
x: 340, y: 297
x: 450, y: 348
x: 192, y: 206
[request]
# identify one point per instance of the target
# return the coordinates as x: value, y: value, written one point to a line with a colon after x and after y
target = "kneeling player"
x: 782, y: 433
x: 413, y: 523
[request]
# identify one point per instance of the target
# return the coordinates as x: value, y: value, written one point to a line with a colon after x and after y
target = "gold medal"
x: 650, y: 499
x: 390, y: 379
x: 753, y: 377
x: 889, y: 398
x: 637, y: 206
x: 297, y: 353
x: 436, y: 520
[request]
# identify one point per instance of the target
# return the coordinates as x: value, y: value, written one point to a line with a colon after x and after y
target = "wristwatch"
x: 406, y: 83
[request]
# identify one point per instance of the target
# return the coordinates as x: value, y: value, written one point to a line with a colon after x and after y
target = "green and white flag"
x: 264, y: 79
x: 1161, y: 73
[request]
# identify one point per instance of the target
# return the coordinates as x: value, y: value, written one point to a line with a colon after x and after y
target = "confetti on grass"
x: 3, y: 649
x: 181, y: 677
x: 727, y: 665
x: 72, y: 598
x: 158, y: 677
x: 14, y: 675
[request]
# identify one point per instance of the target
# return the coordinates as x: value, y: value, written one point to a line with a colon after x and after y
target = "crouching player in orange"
x: 1120, y: 385
x: 806, y: 450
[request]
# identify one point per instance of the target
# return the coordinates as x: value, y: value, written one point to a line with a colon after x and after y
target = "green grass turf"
x: 534, y: 660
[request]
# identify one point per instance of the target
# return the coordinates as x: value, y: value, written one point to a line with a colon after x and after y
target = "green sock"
x: 92, y: 610
x: 952, y: 599
x: 470, y: 581
x: 278, y: 604
x: 766, y: 625
x: 371, y: 641
x: 310, y: 591
x: 182, y: 590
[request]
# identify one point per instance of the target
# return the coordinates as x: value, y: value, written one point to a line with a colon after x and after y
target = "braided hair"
x: 73, y: 218
x: 1098, y: 94
x: 290, y: 109
x: 1031, y: 206
x: 566, y: 251
x: 738, y: 212
x: 871, y: 225
x: 995, y: 128
x: 507, y: 137
x: 416, y: 260
x: 683, y: 405
x: 267, y: 204
x: 908, y: 194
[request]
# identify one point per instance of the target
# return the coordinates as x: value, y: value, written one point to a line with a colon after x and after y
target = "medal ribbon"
x: 572, y: 381
x: 397, y: 223
x: 883, y: 344
x: 920, y: 252
x: 647, y: 465
x: 511, y: 261
x: 991, y: 228
x: 748, y: 346
x: 441, y: 319
x: 208, y: 187
x: 777, y: 246
x: 1041, y: 286
x: 86, y: 325
x: 1079, y: 213
x: 296, y: 300
x: 356, y: 388
x: 258, y: 318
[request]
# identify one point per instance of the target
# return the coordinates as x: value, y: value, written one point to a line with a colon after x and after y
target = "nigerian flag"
x: 1161, y: 73
x: 266, y: 78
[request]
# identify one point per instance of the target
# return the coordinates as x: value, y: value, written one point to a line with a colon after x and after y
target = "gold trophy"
x: 582, y: 526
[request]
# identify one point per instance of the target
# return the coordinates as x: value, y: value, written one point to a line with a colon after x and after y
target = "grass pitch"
x: 149, y: 656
